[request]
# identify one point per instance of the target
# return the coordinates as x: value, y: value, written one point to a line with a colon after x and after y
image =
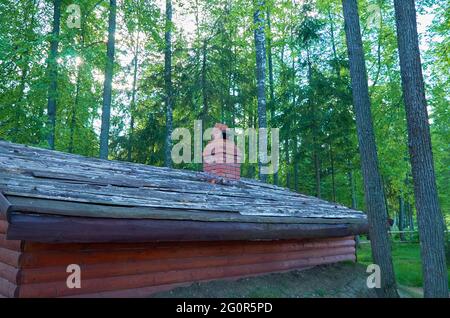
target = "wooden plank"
x: 106, y: 270
x: 7, y: 289
x: 10, y: 273
x: 164, y: 253
x: 77, y: 229
x: 10, y: 257
x: 68, y: 208
x: 59, y: 289
x: 10, y: 244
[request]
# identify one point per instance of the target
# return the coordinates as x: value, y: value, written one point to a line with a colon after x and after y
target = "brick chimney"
x: 221, y: 157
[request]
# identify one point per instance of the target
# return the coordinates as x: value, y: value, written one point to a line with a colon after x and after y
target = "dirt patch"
x: 343, y: 280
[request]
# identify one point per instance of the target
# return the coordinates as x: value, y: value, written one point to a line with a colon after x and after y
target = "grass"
x: 407, y: 262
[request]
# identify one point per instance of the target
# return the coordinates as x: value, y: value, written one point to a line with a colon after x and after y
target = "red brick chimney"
x: 221, y: 157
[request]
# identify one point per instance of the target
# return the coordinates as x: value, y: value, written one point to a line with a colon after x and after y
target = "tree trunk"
x: 401, y: 217
x: 271, y: 84
x: 316, y: 158
x: 295, y: 161
x: 260, y: 39
x: 353, y: 189
x: 73, y: 120
x: 286, y: 149
x: 53, y: 74
x: 333, y: 45
x: 376, y: 208
x: 168, y: 83
x: 133, y: 98
x: 353, y: 197
x: 333, y: 182
x: 430, y: 220
x: 25, y: 68
x: 107, y: 85
x: 204, y: 89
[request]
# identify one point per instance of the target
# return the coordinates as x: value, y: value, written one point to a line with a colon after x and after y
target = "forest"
x: 112, y: 79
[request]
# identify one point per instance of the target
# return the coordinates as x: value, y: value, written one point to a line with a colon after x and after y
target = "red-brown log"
x: 132, y: 268
x: 55, y: 258
x: 59, y: 289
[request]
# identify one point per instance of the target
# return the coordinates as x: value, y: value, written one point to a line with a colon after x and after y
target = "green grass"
x: 407, y: 262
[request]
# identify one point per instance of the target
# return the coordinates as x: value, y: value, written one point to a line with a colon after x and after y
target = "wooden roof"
x: 39, y: 181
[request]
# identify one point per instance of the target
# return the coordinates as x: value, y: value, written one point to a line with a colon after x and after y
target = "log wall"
x: 29, y: 269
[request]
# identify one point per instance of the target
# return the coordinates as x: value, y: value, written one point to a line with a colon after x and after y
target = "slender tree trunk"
x: 53, y: 74
x: 316, y: 158
x: 353, y: 197
x: 107, y: 85
x: 401, y: 216
x: 25, y: 69
x: 168, y: 83
x: 286, y: 149
x: 295, y: 160
x: 204, y: 83
x: 410, y: 221
x: 260, y: 40
x: 333, y: 182
x: 429, y: 216
x: 271, y: 83
x: 133, y: 98
x: 73, y: 121
x: 376, y: 208
x: 353, y: 189
x: 333, y: 45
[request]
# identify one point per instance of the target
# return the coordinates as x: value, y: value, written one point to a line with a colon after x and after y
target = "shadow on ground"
x: 343, y: 280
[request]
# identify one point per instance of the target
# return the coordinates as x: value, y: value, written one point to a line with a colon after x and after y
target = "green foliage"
x: 214, y: 80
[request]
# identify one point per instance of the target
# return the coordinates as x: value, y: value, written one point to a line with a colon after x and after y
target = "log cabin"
x: 135, y: 229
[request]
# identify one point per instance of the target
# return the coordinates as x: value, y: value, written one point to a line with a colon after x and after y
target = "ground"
x: 338, y: 280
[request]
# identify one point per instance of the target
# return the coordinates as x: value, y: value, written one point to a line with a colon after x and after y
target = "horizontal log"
x: 90, y: 271
x: 59, y: 289
x: 10, y: 257
x: 10, y: 273
x: 243, y: 246
x: 77, y: 229
x: 7, y: 289
x: 10, y: 244
x: 55, y: 258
